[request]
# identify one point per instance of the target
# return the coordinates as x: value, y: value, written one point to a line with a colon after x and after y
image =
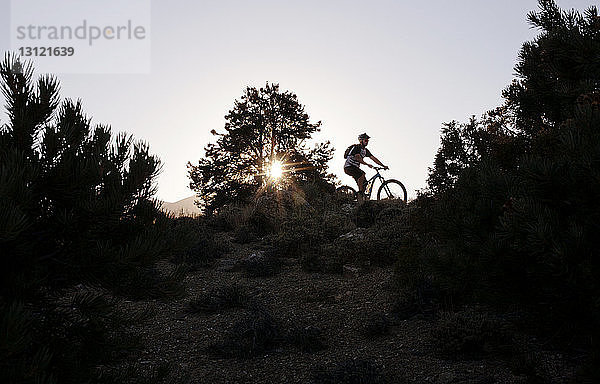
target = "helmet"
x: 363, y: 136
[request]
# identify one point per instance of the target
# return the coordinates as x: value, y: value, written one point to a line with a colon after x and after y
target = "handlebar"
x: 379, y: 168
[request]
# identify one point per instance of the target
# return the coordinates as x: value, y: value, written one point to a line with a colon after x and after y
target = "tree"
x: 264, y: 127
x: 77, y: 221
x: 556, y: 68
x: 465, y: 145
x: 513, y: 198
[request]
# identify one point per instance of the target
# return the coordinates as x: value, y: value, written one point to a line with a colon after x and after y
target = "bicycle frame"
x: 369, y: 183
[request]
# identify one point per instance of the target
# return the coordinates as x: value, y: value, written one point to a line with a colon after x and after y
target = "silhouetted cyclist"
x: 354, y: 158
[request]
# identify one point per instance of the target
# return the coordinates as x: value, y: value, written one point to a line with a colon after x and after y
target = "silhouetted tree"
x: 554, y: 69
x: 512, y: 200
x: 76, y: 222
x: 265, y: 125
x: 463, y: 146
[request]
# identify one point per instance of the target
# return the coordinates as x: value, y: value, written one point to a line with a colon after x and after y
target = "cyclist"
x: 354, y: 159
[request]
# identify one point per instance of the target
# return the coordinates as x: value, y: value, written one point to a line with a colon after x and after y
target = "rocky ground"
x: 344, y: 324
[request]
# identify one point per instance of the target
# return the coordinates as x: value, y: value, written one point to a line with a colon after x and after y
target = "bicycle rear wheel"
x: 346, y: 192
x: 392, y: 189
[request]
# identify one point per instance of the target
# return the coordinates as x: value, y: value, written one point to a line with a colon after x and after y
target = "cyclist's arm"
x: 359, y: 158
x: 376, y: 160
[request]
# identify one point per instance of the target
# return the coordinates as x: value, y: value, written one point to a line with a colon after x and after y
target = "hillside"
x: 257, y: 311
x: 183, y: 207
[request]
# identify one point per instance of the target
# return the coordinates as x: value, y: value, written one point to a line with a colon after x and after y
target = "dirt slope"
x: 351, y: 313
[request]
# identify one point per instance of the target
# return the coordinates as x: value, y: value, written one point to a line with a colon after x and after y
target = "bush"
x: 418, y: 293
x: 521, y: 237
x: 306, y: 338
x: 268, y: 213
x: 527, y: 363
x: 161, y: 373
x: 154, y: 282
x: 259, y: 332
x: 470, y: 334
x: 83, y: 326
x: 182, y: 233
x: 324, y: 259
x: 509, y: 217
x: 352, y: 372
x: 253, y: 336
x: 304, y: 230
x: 418, y: 301
x: 368, y: 247
x: 244, y: 235
x: 208, y: 247
x: 77, y: 210
x: 377, y: 324
x: 261, y: 264
x: 365, y: 214
x: 220, y: 298
x: 231, y: 217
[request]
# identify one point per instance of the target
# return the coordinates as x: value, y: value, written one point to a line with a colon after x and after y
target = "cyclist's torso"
x: 357, y: 149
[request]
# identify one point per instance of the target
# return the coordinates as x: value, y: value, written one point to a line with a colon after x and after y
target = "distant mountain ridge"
x: 183, y: 207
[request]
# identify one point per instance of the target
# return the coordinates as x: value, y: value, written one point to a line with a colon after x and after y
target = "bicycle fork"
x: 367, y: 186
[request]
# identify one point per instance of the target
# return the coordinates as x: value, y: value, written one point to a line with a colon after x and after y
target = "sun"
x: 276, y: 170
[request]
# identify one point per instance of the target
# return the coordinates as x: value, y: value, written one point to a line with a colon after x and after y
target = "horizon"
x: 397, y: 71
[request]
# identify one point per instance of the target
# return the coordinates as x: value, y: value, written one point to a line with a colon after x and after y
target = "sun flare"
x: 275, y: 170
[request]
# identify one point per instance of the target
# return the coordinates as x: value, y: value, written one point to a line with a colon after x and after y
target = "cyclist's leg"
x: 359, y: 176
x: 361, y: 183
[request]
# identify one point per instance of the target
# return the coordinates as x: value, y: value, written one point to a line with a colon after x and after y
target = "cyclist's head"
x: 363, y: 138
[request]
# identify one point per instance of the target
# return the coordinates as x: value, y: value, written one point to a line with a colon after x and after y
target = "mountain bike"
x: 389, y: 189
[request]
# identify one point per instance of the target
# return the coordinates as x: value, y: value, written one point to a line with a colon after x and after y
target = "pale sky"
x: 394, y: 69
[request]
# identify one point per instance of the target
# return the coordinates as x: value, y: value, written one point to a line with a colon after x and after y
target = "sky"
x: 396, y: 70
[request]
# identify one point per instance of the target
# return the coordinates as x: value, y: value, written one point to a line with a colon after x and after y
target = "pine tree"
x: 512, y: 201
x: 78, y: 225
x: 265, y: 125
x: 554, y: 69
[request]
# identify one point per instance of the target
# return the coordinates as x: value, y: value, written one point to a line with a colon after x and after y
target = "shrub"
x: 417, y: 292
x: 320, y: 295
x: 323, y: 259
x: 352, y: 372
x: 470, y: 334
x: 509, y: 217
x: 231, y: 217
x: 161, y: 373
x: 154, y: 282
x: 527, y: 363
x: 182, y: 233
x: 268, y: 214
x: 77, y: 210
x: 420, y: 301
x: 207, y: 247
x: 83, y: 326
x: 252, y: 336
x: 220, y: 298
x: 319, y: 230
x: 365, y: 214
x: 261, y: 264
x: 306, y: 338
x: 377, y: 324
x: 375, y: 246
x: 304, y: 230
x: 244, y: 235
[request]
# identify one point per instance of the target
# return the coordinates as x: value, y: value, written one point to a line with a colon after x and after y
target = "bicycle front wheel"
x: 392, y: 189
